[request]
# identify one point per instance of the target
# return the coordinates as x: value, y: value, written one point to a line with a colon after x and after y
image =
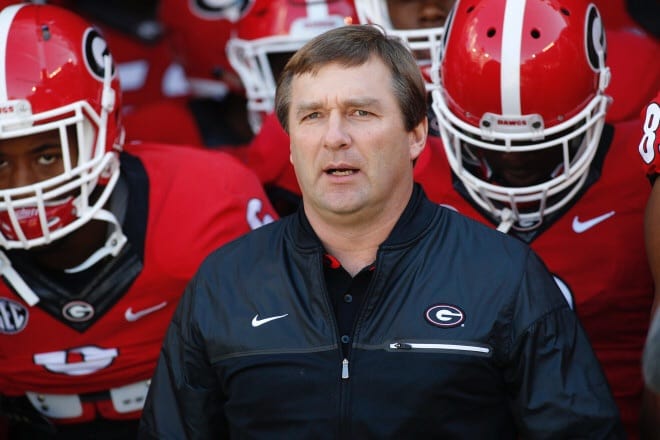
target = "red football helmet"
x: 424, y: 40
x: 519, y: 80
x: 57, y: 75
x: 267, y: 36
x: 198, y: 31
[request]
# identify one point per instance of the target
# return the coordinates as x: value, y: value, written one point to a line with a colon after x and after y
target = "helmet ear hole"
x: 45, y: 32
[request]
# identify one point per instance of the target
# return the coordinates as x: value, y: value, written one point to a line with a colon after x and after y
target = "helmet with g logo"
x: 519, y: 80
x: 57, y: 75
x: 266, y: 37
x: 198, y: 31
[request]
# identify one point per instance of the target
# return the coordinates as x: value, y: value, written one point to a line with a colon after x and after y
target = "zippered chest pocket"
x: 449, y: 347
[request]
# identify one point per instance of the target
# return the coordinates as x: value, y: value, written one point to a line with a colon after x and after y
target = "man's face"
x: 420, y: 15
x: 349, y: 147
x: 523, y: 169
x: 416, y: 14
x: 30, y: 159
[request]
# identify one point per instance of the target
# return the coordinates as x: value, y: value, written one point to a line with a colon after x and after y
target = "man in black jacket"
x: 371, y: 312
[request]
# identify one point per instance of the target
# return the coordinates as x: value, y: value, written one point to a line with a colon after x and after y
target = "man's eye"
x: 47, y: 159
x: 361, y: 113
x: 314, y: 115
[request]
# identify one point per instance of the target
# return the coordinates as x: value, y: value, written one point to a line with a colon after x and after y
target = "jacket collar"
x: 415, y: 219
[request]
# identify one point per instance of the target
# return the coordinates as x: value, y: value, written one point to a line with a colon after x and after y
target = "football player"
x: 647, y: 143
x: 97, y: 238
x: 525, y: 149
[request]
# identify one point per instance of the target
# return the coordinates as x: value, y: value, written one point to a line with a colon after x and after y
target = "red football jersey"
x: 195, y: 201
x: 648, y: 141
x: 596, y: 252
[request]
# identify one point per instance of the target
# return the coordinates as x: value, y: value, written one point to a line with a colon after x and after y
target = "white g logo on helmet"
x: 95, y: 48
x: 232, y: 10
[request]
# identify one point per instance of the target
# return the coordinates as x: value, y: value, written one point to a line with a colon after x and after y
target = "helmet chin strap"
x: 116, y: 239
x: 506, y: 220
x: 13, y: 278
x: 113, y: 245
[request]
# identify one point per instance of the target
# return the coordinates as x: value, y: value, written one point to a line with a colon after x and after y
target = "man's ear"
x: 418, y: 138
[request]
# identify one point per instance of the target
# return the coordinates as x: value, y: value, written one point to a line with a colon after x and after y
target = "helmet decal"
x: 95, y: 48
x: 596, y: 46
x: 231, y: 10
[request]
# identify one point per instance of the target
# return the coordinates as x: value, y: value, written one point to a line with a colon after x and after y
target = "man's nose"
x: 21, y: 175
x: 336, y: 135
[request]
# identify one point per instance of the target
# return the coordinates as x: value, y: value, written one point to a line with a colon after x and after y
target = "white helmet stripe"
x: 511, y: 46
x: 6, y: 19
x: 317, y: 9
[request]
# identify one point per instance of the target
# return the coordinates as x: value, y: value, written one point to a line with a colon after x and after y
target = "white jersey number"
x: 649, y: 140
x: 254, y: 216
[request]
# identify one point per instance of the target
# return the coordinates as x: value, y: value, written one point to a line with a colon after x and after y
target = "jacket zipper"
x: 410, y: 346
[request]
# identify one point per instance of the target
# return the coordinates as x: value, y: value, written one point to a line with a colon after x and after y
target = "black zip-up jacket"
x: 463, y: 334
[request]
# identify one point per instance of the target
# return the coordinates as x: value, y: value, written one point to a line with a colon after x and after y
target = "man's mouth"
x: 340, y: 171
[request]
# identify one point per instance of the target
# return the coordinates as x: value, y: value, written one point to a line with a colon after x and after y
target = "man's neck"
x: 353, y: 254
x: 354, y: 243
